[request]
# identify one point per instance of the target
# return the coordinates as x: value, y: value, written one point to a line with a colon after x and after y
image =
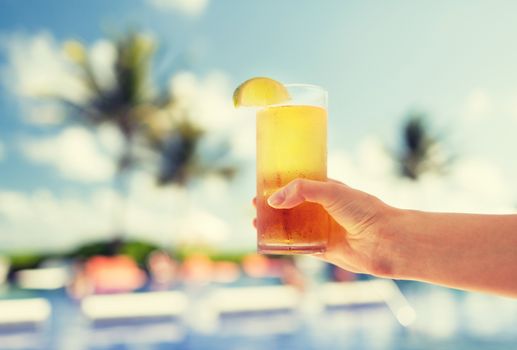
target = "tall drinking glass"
x: 292, y: 143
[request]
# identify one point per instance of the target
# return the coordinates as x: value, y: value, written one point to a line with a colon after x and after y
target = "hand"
x: 466, y: 251
x: 358, y: 233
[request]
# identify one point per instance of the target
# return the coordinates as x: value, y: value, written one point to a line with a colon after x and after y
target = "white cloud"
x: 36, y: 66
x: 40, y: 220
x: 173, y: 214
x: 473, y: 184
x: 110, y: 139
x: 201, y: 226
x: 219, y: 213
x: 41, y: 112
x: 208, y: 101
x: 243, y: 139
x: 169, y: 215
x: 188, y: 7
x: 75, y: 153
x: 478, y: 106
x: 102, y: 54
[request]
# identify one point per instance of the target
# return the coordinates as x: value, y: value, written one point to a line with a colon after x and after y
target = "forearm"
x: 466, y: 251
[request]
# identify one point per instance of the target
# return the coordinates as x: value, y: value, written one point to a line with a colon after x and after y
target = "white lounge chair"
x: 43, y: 278
x: 253, y: 299
x: 261, y: 310
x: 148, y: 305
x: 24, y: 312
x: 135, y: 318
x: 376, y: 291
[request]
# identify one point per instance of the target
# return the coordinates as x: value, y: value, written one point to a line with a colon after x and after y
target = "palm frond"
x: 142, y: 113
x: 421, y: 151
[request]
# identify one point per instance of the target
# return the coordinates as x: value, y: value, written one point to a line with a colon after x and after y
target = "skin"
x: 466, y: 251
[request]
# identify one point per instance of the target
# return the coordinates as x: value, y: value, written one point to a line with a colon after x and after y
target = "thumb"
x: 301, y: 190
x: 352, y: 209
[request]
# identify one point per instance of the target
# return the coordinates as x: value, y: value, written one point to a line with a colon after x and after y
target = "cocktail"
x: 291, y: 143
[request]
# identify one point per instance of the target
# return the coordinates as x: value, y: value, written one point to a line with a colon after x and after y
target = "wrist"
x: 393, y: 252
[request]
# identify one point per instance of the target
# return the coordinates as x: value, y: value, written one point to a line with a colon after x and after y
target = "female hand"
x: 357, y: 234
x: 467, y: 251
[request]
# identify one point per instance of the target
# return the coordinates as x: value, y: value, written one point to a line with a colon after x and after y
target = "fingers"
x: 301, y: 190
x: 254, y: 201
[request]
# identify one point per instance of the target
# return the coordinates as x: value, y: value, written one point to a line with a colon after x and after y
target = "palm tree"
x: 146, y: 117
x: 123, y: 102
x: 420, y: 150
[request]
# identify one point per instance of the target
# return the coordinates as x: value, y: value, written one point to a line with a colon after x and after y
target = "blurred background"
x: 126, y: 175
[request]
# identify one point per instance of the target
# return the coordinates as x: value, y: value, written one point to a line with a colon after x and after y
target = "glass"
x: 292, y: 143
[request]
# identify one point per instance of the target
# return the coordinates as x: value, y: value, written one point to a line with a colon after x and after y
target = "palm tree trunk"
x: 121, y: 183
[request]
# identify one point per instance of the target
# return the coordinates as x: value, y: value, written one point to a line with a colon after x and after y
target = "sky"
x: 454, y: 61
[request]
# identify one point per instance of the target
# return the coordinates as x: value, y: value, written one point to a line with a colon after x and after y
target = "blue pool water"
x: 446, y: 319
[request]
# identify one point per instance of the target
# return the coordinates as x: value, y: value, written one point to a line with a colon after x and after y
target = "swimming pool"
x: 446, y: 319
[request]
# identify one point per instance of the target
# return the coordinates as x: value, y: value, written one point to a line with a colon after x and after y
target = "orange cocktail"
x: 292, y: 143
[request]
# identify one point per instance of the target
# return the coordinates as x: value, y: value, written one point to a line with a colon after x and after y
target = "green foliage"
x: 420, y: 151
x: 123, y: 103
x: 143, y: 114
x: 158, y: 131
x: 181, y: 160
x: 216, y: 255
x: 232, y: 256
x: 94, y: 248
x: 178, y: 152
x: 132, y: 68
x: 136, y: 249
x: 26, y: 260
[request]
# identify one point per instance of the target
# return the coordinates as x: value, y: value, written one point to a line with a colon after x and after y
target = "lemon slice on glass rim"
x: 259, y: 92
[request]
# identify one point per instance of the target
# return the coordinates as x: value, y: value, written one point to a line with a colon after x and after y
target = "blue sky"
x: 378, y: 60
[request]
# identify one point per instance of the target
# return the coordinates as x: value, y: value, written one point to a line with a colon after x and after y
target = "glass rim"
x: 307, y: 86
x: 313, y: 89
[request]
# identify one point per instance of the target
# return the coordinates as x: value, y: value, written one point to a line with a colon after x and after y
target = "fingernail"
x: 276, y: 198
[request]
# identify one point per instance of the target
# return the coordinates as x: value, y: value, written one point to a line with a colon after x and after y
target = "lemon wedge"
x: 258, y: 92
